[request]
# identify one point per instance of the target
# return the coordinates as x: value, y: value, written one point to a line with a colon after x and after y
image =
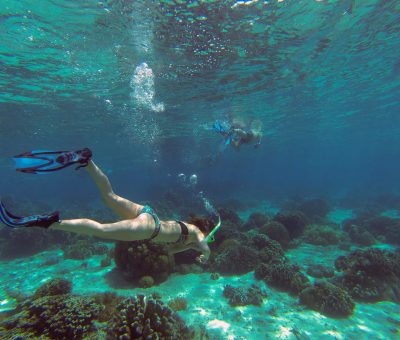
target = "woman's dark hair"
x: 203, y: 223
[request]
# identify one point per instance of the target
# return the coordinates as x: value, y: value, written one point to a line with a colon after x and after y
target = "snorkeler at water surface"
x: 137, y: 222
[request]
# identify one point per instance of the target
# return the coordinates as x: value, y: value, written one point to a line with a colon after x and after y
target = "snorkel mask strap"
x: 210, y: 237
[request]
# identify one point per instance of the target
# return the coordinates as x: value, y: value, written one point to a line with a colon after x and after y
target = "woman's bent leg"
x: 122, y: 207
x: 127, y: 230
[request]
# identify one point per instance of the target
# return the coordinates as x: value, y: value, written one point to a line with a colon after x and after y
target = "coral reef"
x: 385, y: 228
x: 235, y: 260
x: 319, y: 271
x: 56, y: 286
x: 294, y: 222
x: 315, y: 209
x: 109, y: 302
x: 370, y: 275
x: 276, y: 231
x: 177, y: 304
x: 137, y: 259
x: 243, y: 297
x: 283, y: 276
x: 69, y: 316
x: 360, y: 236
x: 145, y: 317
x: 327, y: 299
x: 57, y: 317
x: 272, y: 252
x: 322, y: 235
x: 81, y: 249
x: 255, y: 220
x: 229, y: 216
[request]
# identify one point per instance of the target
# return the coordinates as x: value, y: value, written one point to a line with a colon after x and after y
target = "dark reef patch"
x: 327, y: 299
x: 370, y: 275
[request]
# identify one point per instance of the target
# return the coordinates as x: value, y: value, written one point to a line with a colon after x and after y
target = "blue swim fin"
x: 221, y: 127
x: 13, y: 221
x: 44, y: 161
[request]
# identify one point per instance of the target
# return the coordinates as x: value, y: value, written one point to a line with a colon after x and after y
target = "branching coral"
x: 56, y: 317
x: 328, y: 299
x: 145, y: 317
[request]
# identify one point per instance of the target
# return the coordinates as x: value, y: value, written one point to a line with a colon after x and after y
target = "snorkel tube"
x: 210, y: 237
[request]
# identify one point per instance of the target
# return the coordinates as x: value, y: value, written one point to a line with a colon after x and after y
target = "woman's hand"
x: 203, y: 247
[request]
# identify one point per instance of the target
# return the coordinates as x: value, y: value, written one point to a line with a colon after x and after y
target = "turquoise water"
x: 141, y: 83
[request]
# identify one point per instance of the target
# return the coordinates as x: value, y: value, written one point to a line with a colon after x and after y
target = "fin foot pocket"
x: 13, y: 221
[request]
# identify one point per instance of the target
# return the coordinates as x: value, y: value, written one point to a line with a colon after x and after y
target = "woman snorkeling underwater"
x: 138, y: 222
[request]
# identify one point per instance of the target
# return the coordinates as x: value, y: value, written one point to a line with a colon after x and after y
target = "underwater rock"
x: 295, y: 222
x: 235, y: 261
x: 255, y: 220
x: 319, y: 271
x: 322, y: 235
x: 370, y: 275
x: 137, y: 259
x: 145, y: 317
x: 327, y: 299
x: 53, y: 287
x: 284, y: 277
x: 276, y: 231
x: 244, y: 297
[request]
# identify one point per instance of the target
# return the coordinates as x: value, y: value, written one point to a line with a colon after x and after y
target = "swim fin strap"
x: 43, y: 161
x: 13, y: 221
